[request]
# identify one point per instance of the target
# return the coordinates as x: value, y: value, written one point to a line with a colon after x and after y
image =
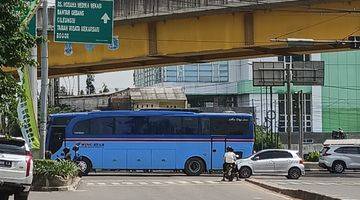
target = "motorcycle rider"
x: 229, y: 159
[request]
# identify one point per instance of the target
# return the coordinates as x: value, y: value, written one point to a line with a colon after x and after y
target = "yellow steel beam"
x: 215, y: 36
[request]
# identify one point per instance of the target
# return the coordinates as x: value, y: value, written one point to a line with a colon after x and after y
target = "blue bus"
x: 151, y: 140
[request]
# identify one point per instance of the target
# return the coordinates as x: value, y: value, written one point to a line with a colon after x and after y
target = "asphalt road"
x: 159, y: 188
x: 338, y: 186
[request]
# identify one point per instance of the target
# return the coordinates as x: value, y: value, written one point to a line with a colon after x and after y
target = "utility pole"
x: 253, y: 110
x: 266, y: 112
x: 301, y: 136
x: 288, y: 100
x: 261, y: 108
x: 44, y: 79
x: 271, y: 117
x: 78, y: 85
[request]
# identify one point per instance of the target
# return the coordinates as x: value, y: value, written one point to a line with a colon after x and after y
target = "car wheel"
x: 245, y: 172
x: 21, y: 196
x: 338, y: 167
x: 294, y: 173
x: 85, y: 165
x: 194, y: 166
x: 4, y: 196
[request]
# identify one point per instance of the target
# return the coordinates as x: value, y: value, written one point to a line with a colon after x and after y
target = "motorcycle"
x: 76, y: 158
x: 231, y: 172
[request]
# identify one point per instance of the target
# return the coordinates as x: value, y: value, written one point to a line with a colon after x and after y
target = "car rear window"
x: 16, y: 147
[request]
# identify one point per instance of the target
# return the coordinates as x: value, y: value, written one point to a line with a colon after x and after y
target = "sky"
x: 120, y: 80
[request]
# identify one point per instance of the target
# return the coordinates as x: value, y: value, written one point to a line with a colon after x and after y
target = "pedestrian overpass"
x: 158, y: 34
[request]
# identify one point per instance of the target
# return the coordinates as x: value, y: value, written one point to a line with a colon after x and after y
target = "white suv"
x: 337, y: 158
x: 274, y: 162
x: 16, y: 168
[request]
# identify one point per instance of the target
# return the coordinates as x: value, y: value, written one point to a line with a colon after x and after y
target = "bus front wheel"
x: 84, y: 165
x: 194, y: 166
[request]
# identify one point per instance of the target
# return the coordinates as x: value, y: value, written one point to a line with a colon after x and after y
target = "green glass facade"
x: 341, y: 91
x: 246, y: 87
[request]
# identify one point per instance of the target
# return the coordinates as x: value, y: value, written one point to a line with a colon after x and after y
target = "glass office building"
x: 205, y: 72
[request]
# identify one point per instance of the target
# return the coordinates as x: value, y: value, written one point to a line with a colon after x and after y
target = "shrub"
x: 52, y: 168
x: 263, y: 140
x: 313, y: 156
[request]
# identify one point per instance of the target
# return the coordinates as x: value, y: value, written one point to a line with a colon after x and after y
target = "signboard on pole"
x: 84, y: 21
x: 268, y: 74
x: 308, y: 73
x: 32, y: 26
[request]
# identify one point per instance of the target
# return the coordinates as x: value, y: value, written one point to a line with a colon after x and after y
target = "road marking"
x: 183, y: 182
x: 115, y: 183
x: 306, y: 183
x: 102, y: 184
x: 197, y: 182
x: 143, y: 183
x: 321, y: 183
x: 212, y: 182
x: 90, y: 183
x: 170, y: 182
x: 157, y: 183
x: 127, y: 183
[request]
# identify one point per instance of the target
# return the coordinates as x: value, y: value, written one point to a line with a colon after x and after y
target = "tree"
x: 262, y: 140
x: 90, y: 89
x: 105, y: 89
x: 63, y: 91
x: 15, y: 51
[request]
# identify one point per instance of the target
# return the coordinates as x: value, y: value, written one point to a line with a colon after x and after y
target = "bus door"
x: 55, y: 140
x: 218, y: 145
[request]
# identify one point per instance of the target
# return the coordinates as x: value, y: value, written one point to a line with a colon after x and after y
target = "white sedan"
x: 272, y: 162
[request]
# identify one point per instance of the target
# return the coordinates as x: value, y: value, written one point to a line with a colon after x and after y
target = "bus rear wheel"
x: 194, y: 166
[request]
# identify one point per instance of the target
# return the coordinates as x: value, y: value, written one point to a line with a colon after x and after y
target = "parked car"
x: 338, y: 155
x: 16, y: 168
x: 274, y: 162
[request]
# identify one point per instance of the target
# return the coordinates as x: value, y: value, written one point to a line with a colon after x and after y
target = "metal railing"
x: 137, y: 8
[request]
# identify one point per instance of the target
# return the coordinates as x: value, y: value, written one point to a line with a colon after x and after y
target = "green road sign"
x: 32, y: 26
x: 84, y: 21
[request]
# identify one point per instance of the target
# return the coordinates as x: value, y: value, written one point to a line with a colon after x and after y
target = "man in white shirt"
x: 229, y: 159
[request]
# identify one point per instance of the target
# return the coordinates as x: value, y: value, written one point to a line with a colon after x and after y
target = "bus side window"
x: 102, y: 125
x: 124, y: 125
x: 82, y: 128
x: 205, y: 126
x: 190, y: 125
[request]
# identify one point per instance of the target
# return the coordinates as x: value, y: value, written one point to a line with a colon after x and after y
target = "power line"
x: 312, y: 25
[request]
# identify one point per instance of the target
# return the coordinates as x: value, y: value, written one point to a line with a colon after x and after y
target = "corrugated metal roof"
x: 343, y: 142
x: 157, y: 93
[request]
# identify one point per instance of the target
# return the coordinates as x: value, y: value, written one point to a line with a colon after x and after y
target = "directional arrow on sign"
x: 105, y: 18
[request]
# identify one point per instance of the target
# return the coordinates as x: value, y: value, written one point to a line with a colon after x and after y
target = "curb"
x: 298, y: 194
x: 71, y: 187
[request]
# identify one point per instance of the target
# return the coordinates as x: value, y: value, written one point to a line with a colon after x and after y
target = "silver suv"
x: 16, y: 165
x: 274, y: 162
x: 337, y: 158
